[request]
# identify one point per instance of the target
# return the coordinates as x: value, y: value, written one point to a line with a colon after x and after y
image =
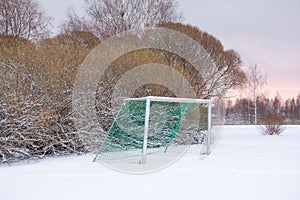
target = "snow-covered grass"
x: 244, y: 165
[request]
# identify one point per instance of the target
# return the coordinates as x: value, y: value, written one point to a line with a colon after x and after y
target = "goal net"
x: 154, y: 131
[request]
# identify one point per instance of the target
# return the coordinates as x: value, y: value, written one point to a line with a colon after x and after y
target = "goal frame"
x: 150, y: 99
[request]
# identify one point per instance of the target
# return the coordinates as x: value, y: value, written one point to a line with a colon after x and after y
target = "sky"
x: 263, y: 32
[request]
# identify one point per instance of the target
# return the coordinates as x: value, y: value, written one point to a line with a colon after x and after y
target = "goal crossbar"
x: 171, y: 99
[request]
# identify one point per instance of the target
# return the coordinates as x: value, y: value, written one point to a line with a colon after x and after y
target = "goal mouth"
x: 150, y: 133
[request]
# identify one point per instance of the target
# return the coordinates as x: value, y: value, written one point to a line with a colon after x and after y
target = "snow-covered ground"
x: 244, y: 165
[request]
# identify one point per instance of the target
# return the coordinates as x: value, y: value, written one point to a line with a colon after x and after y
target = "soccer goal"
x: 157, y: 129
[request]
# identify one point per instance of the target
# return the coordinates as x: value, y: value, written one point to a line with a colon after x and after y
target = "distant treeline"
x: 241, y: 111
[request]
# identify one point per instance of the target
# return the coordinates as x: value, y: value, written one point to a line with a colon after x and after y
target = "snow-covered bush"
x: 31, y: 126
x: 272, y: 124
x: 36, y: 83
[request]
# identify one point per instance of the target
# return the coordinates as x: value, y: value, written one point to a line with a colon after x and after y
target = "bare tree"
x: 23, y: 18
x: 114, y: 16
x: 256, y: 80
x: 226, y: 74
x: 75, y: 23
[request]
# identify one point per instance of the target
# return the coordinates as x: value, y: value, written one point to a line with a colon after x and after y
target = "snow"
x: 244, y: 165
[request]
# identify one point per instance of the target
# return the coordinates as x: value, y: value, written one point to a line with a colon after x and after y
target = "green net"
x: 173, y: 126
x: 127, y: 130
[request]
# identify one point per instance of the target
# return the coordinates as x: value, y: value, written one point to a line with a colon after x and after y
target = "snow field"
x: 244, y: 165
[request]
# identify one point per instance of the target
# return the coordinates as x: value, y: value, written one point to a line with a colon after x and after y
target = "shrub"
x: 272, y: 124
